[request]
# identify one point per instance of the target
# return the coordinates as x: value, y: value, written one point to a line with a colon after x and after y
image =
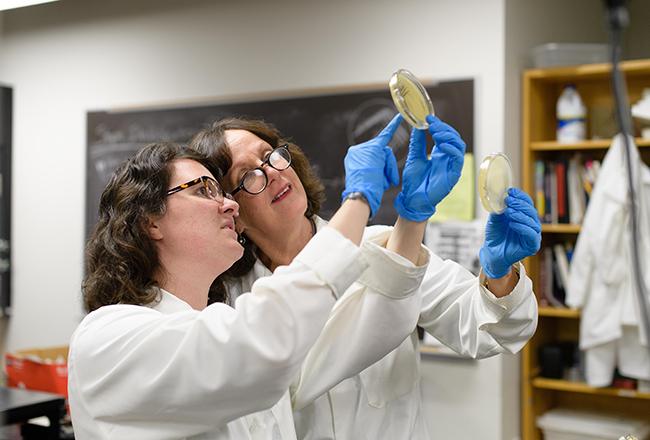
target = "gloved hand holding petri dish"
x: 494, y: 179
x: 410, y: 98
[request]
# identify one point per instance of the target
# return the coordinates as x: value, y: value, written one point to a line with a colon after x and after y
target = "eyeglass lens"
x: 255, y: 181
x: 213, y: 190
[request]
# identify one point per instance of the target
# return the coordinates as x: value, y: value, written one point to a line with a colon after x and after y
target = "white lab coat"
x: 601, y: 277
x: 383, y: 401
x: 168, y: 371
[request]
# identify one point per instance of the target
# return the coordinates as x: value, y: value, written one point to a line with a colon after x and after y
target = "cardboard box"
x: 569, y: 424
x: 44, y: 369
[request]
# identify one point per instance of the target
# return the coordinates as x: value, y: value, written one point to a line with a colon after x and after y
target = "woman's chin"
x: 240, y: 251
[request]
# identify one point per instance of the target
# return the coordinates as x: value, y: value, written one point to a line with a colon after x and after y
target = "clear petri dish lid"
x: 410, y: 98
x: 494, y: 179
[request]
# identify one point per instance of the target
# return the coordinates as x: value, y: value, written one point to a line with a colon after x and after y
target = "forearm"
x: 351, y: 219
x: 406, y: 238
x: 464, y: 315
x: 501, y: 287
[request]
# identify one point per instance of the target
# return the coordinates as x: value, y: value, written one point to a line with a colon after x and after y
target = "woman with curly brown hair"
x: 156, y: 358
x: 475, y: 316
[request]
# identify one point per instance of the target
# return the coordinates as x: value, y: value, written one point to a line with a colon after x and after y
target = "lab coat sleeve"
x: 204, y: 369
x: 372, y: 318
x: 465, y: 316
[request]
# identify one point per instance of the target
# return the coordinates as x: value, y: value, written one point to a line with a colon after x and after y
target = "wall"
x: 530, y: 23
x: 637, y: 35
x: 69, y: 57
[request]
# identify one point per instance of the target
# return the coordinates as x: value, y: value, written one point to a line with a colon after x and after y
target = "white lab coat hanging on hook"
x: 601, y: 278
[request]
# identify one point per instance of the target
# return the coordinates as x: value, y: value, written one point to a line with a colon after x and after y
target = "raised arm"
x: 206, y: 368
x: 498, y: 311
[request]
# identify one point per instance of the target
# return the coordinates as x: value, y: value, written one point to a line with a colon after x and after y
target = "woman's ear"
x: 153, y: 229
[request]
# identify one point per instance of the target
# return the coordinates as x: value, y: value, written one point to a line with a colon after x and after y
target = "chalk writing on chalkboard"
x: 323, y: 124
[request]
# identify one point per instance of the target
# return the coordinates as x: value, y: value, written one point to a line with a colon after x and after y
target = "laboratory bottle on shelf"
x: 571, y: 114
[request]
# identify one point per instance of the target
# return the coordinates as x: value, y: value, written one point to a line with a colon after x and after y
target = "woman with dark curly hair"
x: 475, y: 316
x: 156, y: 358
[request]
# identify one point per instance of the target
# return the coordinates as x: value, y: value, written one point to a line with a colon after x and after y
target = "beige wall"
x: 637, y: 35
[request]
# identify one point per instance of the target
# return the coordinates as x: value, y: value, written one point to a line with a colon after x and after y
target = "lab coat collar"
x: 614, y: 162
x: 260, y: 270
x: 169, y: 303
x: 319, y: 222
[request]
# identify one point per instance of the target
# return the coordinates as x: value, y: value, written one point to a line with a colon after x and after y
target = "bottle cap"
x: 494, y: 179
x: 410, y: 98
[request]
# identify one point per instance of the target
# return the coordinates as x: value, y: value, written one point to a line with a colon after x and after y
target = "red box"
x: 43, y: 369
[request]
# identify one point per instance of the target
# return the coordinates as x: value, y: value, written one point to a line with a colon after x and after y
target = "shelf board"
x: 581, y: 387
x: 560, y: 228
x: 586, y: 71
x: 595, y: 144
x: 557, y: 312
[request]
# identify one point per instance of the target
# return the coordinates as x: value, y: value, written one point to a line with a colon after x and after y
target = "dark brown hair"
x: 121, y: 259
x: 212, y: 143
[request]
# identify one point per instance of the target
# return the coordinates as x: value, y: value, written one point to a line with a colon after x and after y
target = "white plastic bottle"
x: 571, y: 113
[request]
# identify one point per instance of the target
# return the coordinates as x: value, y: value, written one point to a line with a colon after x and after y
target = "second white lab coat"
x: 601, y: 279
x: 383, y: 400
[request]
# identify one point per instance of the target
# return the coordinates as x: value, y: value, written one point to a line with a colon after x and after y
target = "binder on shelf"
x: 547, y: 195
x: 540, y: 199
x: 575, y: 193
x: 553, y: 195
x: 562, y: 264
x: 559, y: 291
x: 562, y: 202
x: 546, y: 277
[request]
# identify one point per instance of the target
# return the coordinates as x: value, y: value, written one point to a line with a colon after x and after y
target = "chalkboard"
x: 6, y: 100
x: 323, y: 124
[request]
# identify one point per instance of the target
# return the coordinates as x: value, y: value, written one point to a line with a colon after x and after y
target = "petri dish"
x: 494, y: 179
x: 410, y: 98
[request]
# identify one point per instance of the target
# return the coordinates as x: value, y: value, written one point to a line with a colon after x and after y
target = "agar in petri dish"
x: 494, y: 179
x: 410, y: 98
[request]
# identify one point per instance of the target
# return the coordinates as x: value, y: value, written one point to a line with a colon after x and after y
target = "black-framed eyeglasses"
x: 210, y: 188
x: 254, y: 181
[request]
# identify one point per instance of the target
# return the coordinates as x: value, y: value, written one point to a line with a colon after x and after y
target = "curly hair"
x: 121, y: 258
x: 212, y: 143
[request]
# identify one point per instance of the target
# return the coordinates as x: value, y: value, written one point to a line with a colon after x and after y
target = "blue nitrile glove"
x: 510, y: 236
x: 371, y: 167
x: 425, y: 182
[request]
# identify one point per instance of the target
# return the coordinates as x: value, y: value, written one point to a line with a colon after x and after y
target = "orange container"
x: 39, y: 370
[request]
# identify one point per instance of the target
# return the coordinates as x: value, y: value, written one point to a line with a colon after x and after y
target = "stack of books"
x: 554, y: 274
x: 563, y: 187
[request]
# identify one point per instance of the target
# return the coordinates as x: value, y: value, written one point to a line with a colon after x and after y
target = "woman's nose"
x: 229, y: 205
x: 271, y: 174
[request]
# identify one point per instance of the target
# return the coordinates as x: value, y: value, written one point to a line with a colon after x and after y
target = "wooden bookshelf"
x: 581, y: 387
x: 560, y: 228
x: 541, y: 89
x: 597, y: 144
x: 557, y: 312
